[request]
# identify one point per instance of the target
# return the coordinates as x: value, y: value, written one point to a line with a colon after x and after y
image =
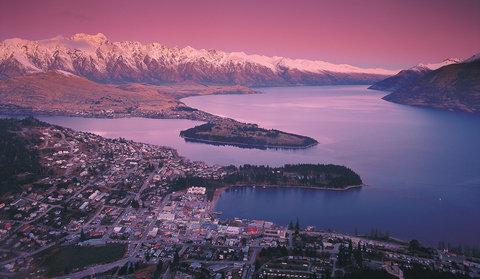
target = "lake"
x: 422, y: 166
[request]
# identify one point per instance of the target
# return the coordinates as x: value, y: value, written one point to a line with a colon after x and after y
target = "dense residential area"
x: 86, y: 205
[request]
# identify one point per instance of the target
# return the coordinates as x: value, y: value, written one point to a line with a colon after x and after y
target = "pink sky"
x: 384, y: 33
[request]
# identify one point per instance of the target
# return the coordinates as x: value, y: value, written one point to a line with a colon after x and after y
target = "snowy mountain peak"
x: 451, y: 60
x: 189, y: 49
x: 99, y: 38
x: 15, y: 41
x: 434, y: 66
x: 97, y: 58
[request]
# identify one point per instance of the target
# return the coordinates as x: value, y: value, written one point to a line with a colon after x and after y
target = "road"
x: 95, y: 269
x: 149, y: 228
x: 394, y: 270
x: 145, y: 184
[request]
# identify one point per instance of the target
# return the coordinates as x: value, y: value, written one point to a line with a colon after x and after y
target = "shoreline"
x: 162, y: 117
x: 169, y: 114
x: 25, y: 112
x: 301, y: 186
x: 246, y: 145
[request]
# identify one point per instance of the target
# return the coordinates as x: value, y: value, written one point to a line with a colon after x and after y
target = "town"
x: 109, y: 208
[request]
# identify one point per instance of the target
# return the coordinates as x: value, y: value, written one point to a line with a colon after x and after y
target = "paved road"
x: 145, y: 184
x: 394, y: 270
x: 250, y: 267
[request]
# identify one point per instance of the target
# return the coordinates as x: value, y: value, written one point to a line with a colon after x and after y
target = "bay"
x: 422, y: 166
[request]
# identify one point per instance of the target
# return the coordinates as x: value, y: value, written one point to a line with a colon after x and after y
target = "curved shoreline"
x: 301, y: 186
x: 193, y: 114
x: 246, y: 145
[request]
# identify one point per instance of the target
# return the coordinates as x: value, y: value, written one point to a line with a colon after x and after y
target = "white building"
x: 197, y: 190
x: 233, y: 230
x: 153, y: 232
x: 92, y: 196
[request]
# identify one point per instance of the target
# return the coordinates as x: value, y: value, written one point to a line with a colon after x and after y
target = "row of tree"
x: 308, y: 175
x: 348, y: 256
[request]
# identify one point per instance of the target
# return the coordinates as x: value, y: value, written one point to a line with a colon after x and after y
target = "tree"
x: 158, y: 271
x: 344, y: 255
x: 135, y: 204
x: 83, y: 237
x: 358, y: 256
x: 130, y: 268
x: 244, y: 241
x: 414, y: 246
x: 297, y: 227
x: 66, y: 270
x: 175, y: 261
x: 327, y: 273
x: 441, y: 245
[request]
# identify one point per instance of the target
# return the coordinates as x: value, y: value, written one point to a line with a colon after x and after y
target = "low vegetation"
x: 63, y: 260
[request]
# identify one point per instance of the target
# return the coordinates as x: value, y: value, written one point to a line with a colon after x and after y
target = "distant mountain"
x: 98, y: 59
x: 452, y: 87
x: 408, y: 77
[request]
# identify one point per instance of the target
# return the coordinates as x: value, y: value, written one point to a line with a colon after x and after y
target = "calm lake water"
x: 422, y: 166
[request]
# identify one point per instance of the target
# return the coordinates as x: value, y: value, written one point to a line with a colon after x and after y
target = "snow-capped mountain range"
x: 433, y: 66
x: 98, y: 59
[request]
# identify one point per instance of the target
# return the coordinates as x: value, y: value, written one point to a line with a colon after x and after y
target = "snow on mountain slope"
x: 452, y: 87
x: 97, y: 58
x: 473, y: 58
x: 434, y: 66
x: 410, y: 76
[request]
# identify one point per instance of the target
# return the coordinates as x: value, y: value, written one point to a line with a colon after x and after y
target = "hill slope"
x: 400, y: 80
x: 56, y: 92
x: 453, y: 87
x: 409, y: 76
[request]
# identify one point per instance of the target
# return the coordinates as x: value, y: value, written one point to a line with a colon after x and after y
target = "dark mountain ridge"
x: 453, y: 87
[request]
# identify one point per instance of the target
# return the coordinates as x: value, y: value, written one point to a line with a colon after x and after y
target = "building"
x: 252, y: 230
x: 153, y: 232
x: 275, y: 233
x: 166, y: 216
x: 197, y: 190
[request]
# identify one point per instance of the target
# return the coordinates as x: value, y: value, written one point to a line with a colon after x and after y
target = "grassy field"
x: 61, y: 260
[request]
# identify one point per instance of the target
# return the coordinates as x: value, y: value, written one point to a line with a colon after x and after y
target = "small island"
x: 230, y: 132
